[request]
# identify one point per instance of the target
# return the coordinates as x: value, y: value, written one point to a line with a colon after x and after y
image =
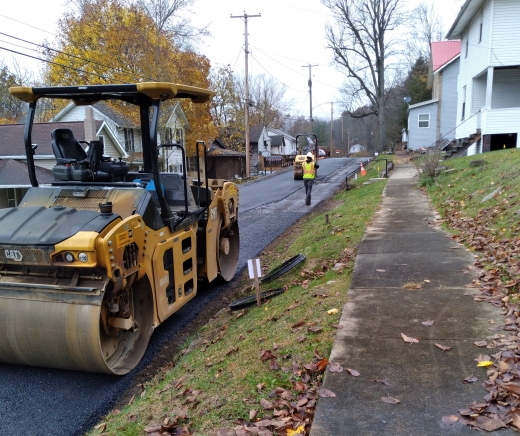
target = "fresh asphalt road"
x: 55, y: 402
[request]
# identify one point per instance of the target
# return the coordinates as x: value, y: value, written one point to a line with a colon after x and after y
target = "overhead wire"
x: 46, y: 47
x: 105, y: 76
x: 60, y: 65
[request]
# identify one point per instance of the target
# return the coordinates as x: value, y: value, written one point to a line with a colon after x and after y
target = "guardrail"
x: 368, y: 161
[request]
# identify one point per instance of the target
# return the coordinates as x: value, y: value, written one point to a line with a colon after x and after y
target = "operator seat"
x: 72, y: 161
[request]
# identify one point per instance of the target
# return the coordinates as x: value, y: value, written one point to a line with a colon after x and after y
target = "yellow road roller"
x: 92, y: 263
x: 301, y: 156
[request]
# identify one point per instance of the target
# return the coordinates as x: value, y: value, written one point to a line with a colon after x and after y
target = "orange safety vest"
x: 308, y: 170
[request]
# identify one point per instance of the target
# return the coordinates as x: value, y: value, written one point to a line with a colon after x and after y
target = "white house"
x: 259, y: 145
x: 287, y: 144
x: 488, y: 106
x: 122, y: 138
x: 433, y: 122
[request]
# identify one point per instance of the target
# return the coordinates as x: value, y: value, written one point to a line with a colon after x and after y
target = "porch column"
x: 489, y: 87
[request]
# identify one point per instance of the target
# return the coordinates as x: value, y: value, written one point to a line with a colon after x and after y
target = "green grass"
x: 220, y: 377
x: 460, y: 191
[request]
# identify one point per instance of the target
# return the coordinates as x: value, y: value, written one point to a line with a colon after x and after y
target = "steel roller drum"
x: 60, y: 328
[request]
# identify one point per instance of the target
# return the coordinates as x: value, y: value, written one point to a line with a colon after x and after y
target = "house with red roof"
x: 488, y: 108
x: 433, y: 122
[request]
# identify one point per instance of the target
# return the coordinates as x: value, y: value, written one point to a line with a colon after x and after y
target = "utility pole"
x: 310, y: 90
x: 331, y: 122
x: 246, y: 105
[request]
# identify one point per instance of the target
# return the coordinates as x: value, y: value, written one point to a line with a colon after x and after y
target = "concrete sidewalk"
x: 404, y: 246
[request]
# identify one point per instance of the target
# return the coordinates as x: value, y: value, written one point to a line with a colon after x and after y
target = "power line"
x: 28, y: 25
x: 60, y: 65
x: 45, y: 47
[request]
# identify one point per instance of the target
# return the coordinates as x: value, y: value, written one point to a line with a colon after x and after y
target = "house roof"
x: 217, y: 148
x: 280, y: 132
x: 423, y: 103
x: 467, y: 11
x: 11, y: 137
x: 118, y: 118
x: 102, y: 108
x: 255, y: 132
x: 14, y: 174
x: 443, y: 52
x: 180, y: 115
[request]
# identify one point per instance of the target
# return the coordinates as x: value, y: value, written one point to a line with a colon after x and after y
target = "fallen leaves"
x: 390, y: 400
x: 443, y: 347
x: 409, y: 340
x: 412, y: 285
x: 470, y: 379
x: 450, y: 419
x: 326, y: 393
x: 335, y: 367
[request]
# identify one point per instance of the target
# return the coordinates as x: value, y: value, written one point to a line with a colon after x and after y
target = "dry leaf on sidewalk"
x: 409, y: 340
x: 390, y: 400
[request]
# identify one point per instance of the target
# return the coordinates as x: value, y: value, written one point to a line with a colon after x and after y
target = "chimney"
x: 90, y: 124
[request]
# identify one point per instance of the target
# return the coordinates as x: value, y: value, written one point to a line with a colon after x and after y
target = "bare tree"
x: 171, y: 16
x: 12, y: 109
x: 364, y: 46
x: 267, y: 104
x: 425, y: 27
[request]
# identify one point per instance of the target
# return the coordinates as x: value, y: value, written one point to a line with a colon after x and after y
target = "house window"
x: 481, y: 26
x: 179, y: 136
x: 467, y: 47
x: 129, y: 140
x: 463, y: 103
x: 424, y: 121
x: 12, y: 198
x: 168, y: 137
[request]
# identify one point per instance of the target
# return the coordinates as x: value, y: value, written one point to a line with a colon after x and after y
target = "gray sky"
x: 287, y: 37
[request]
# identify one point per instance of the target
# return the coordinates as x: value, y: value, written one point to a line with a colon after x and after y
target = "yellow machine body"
x: 89, y: 269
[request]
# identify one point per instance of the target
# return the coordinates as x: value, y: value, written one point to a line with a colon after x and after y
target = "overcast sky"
x: 284, y: 41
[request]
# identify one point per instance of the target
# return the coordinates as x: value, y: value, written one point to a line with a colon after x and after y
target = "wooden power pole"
x: 246, y: 103
x: 310, y: 91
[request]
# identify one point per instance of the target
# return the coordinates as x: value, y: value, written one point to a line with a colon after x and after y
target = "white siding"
x: 476, y: 61
x: 506, y: 33
x: 501, y: 121
x: 76, y: 113
x: 448, y: 101
x: 110, y: 148
x: 420, y: 136
x: 478, y: 93
x: 506, y: 92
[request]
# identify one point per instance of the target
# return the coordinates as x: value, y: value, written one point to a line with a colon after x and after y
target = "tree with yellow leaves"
x: 113, y: 41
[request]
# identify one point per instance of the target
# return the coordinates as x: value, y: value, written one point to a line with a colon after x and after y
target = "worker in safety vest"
x: 309, y: 174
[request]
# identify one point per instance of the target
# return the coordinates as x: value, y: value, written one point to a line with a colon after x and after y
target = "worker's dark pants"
x: 308, y: 189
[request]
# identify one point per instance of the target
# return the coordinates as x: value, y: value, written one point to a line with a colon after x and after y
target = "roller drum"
x: 62, y: 329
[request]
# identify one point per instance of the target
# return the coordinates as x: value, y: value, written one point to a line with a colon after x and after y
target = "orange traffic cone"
x: 363, y: 172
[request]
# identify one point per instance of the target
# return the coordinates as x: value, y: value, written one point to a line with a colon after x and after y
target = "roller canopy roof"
x: 138, y: 93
